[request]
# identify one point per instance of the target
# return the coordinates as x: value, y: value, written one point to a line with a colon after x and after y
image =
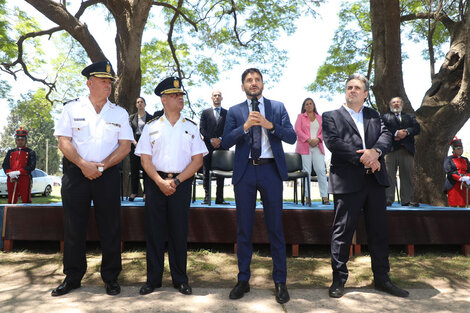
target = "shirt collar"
x: 351, y: 111
x: 260, y: 100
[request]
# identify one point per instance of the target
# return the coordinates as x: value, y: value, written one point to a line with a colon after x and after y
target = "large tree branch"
x: 442, y: 17
x: 19, y: 60
x: 173, y: 49
x: 58, y: 14
x: 170, y: 38
x: 177, y: 12
x: 235, y: 22
x: 84, y: 6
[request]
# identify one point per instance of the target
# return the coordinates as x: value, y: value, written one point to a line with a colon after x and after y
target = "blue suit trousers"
x: 266, y: 179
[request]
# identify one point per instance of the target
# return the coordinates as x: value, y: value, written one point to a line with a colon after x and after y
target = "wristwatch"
x: 177, y: 181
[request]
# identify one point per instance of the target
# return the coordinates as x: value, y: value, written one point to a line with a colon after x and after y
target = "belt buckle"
x: 170, y: 175
x: 254, y: 162
x: 368, y: 171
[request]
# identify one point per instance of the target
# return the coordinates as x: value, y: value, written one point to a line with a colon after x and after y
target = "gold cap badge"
x: 176, y: 83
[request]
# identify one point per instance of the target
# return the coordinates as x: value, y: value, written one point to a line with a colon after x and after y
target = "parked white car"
x: 42, y: 183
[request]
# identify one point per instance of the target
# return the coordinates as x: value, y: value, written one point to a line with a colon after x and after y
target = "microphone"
x: 254, y: 104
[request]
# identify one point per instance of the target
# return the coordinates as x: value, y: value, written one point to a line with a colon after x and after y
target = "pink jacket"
x: 302, y: 129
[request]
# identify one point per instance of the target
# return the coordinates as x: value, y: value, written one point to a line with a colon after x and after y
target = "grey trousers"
x: 403, y: 160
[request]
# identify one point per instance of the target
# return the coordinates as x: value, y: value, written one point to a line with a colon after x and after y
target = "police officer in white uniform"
x: 94, y: 135
x: 171, y: 152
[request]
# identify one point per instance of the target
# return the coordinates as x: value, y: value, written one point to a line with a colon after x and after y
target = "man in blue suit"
x: 257, y: 127
x: 358, y: 141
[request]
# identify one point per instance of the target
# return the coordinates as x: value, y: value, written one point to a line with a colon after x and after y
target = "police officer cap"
x: 169, y: 85
x: 21, y: 132
x: 101, y: 69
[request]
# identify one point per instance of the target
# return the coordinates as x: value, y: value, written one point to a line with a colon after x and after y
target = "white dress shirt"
x: 358, y: 119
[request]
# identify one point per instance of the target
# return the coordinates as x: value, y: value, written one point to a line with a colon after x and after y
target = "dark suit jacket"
x: 134, y: 121
x: 342, y: 138
x: 234, y: 134
x: 209, y: 127
x: 407, y: 122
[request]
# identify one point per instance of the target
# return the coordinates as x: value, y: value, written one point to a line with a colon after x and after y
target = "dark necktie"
x: 217, y: 114
x: 398, y: 116
x: 256, y: 133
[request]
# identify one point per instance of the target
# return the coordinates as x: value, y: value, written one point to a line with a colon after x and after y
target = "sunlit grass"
x: 40, y: 199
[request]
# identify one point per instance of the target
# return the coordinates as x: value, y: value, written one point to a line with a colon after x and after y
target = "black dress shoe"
x: 336, y: 289
x: 146, y: 289
x: 239, y: 290
x: 64, y: 288
x: 282, y: 295
x: 205, y: 201
x: 184, y: 288
x: 113, y: 288
x: 221, y: 202
x: 390, y: 288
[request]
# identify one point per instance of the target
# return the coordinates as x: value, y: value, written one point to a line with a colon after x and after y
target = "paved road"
x: 36, y: 298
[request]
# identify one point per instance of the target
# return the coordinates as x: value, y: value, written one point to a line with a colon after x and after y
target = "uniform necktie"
x: 256, y: 133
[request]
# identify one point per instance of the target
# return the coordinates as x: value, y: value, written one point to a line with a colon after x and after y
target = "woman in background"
x: 308, y: 127
x: 137, y: 121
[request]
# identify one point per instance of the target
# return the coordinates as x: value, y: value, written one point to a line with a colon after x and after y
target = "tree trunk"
x: 445, y: 107
x: 388, y: 82
x: 443, y: 112
x: 130, y: 24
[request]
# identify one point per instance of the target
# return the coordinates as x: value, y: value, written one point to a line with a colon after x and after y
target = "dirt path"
x: 36, y: 298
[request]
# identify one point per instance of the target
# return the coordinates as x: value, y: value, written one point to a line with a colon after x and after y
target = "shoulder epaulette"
x: 187, y: 119
x: 67, y: 102
x: 152, y: 119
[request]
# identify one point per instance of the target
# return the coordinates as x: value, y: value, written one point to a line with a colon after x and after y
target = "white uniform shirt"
x: 171, y: 147
x: 94, y: 135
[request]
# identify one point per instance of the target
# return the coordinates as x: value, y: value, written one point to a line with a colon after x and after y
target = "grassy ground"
x: 40, y: 199
x: 210, y: 267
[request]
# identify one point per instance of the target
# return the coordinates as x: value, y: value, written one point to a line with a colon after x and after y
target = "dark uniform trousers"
x: 370, y: 199
x: 77, y: 194
x: 167, y: 217
x: 136, y: 166
x: 266, y: 179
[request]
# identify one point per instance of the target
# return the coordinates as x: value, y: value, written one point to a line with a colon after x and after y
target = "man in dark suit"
x: 404, y: 128
x: 358, y: 140
x: 257, y: 127
x: 211, y: 128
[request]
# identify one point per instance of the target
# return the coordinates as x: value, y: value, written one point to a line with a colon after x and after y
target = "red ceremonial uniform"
x: 455, y: 168
x: 24, y: 161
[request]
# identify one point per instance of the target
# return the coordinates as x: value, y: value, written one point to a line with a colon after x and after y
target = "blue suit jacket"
x: 342, y: 138
x: 234, y: 134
